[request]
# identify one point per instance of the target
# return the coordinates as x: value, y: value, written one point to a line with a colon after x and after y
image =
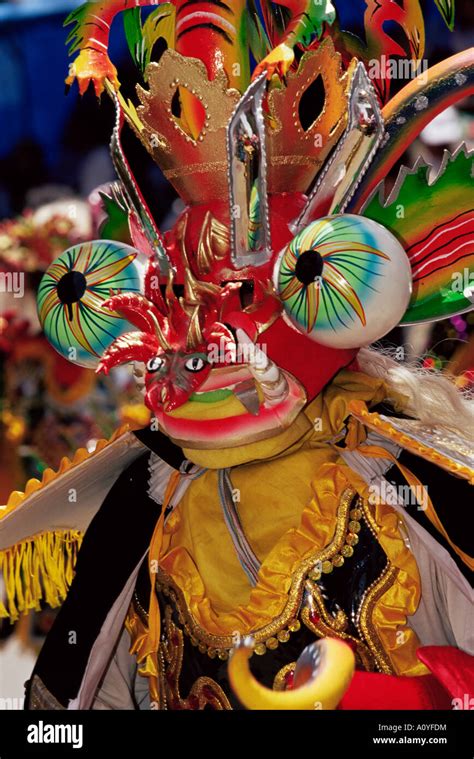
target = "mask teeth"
x: 247, y: 394
x: 275, y: 392
x: 269, y: 376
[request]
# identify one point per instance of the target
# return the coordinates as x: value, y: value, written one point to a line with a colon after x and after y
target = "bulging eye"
x: 344, y: 281
x: 155, y: 364
x: 195, y: 364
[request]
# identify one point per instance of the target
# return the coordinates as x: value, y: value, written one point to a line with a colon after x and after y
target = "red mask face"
x: 311, y: 363
x: 172, y: 377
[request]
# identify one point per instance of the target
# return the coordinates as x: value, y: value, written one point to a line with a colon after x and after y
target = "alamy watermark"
x: 402, y: 69
x: 42, y: 732
x: 393, y: 495
x: 12, y: 282
x: 240, y: 353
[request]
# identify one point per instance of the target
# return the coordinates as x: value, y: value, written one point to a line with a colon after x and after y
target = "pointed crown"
x: 305, y: 116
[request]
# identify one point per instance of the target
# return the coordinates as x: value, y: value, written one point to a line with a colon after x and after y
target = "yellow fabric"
x: 221, y: 458
x: 198, y: 552
x: 402, y: 598
x: 41, y: 567
x: 329, y: 409
x: 155, y: 551
x: 287, y: 506
x: 146, y: 651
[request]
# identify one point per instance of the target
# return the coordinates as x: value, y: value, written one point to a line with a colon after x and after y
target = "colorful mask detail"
x: 334, y: 277
x: 73, y: 291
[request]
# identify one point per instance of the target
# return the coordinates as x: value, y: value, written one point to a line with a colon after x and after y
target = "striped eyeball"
x: 345, y: 281
x: 72, y: 291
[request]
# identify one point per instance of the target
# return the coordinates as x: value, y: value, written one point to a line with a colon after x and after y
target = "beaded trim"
x: 204, y: 691
x: 279, y: 630
x: 364, y: 622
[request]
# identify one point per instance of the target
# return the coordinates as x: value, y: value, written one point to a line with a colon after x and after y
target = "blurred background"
x: 53, y: 157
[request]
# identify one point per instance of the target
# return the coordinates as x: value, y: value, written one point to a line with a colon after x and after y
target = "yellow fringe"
x: 38, y: 569
x: 41, y: 567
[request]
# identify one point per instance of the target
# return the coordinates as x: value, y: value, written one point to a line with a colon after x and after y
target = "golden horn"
x: 194, y: 289
x: 159, y: 333
x: 191, y: 293
x: 169, y: 292
x: 326, y: 668
x: 194, y: 336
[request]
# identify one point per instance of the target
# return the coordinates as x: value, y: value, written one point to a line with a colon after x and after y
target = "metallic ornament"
x: 346, y: 167
x: 246, y: 151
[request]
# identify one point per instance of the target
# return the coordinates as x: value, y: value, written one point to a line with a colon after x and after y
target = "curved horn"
x: 194, y: 337
x: 322, y: 675
x: 141, y: 312
x: 270, y: 377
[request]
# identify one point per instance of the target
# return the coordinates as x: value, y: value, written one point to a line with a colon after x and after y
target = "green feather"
x: 447, y: 9
x: 259, y: 41
x: 141, y: 37
x: 76, y: 17
x: 132, y: 25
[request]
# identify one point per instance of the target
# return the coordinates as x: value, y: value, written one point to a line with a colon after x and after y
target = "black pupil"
x: 309, y: 267
x: 71, y: 287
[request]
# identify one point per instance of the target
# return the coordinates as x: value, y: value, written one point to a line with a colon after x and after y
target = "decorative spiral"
x: 345, y: 281
x: 71, y: 294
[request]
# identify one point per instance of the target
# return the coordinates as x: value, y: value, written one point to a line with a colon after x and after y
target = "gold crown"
x: 196, y: 164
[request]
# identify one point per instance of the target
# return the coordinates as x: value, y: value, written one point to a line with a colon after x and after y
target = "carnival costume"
x: 289, y: 530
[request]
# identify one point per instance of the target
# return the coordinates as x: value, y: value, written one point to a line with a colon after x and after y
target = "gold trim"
x: 374, y: 593
x: 203, y: 692
x: 142, y: 613
x: 369, y: 517
x: 162, y: 698
x: 167, y: 585
x: 328, y: 626
x: 196, y: 168
x: 17, y: 497
x: 372, y: 420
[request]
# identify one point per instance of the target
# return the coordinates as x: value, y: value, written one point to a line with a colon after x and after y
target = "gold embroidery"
x: 323, y: 624
x: 368, y: 649
x: 41, y: 698
x: 369, y: 517
x: 204, y: 692
x: 288, y: 618
x: 142, y: 613
x: 162, y: 700
x: 365, y: 617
